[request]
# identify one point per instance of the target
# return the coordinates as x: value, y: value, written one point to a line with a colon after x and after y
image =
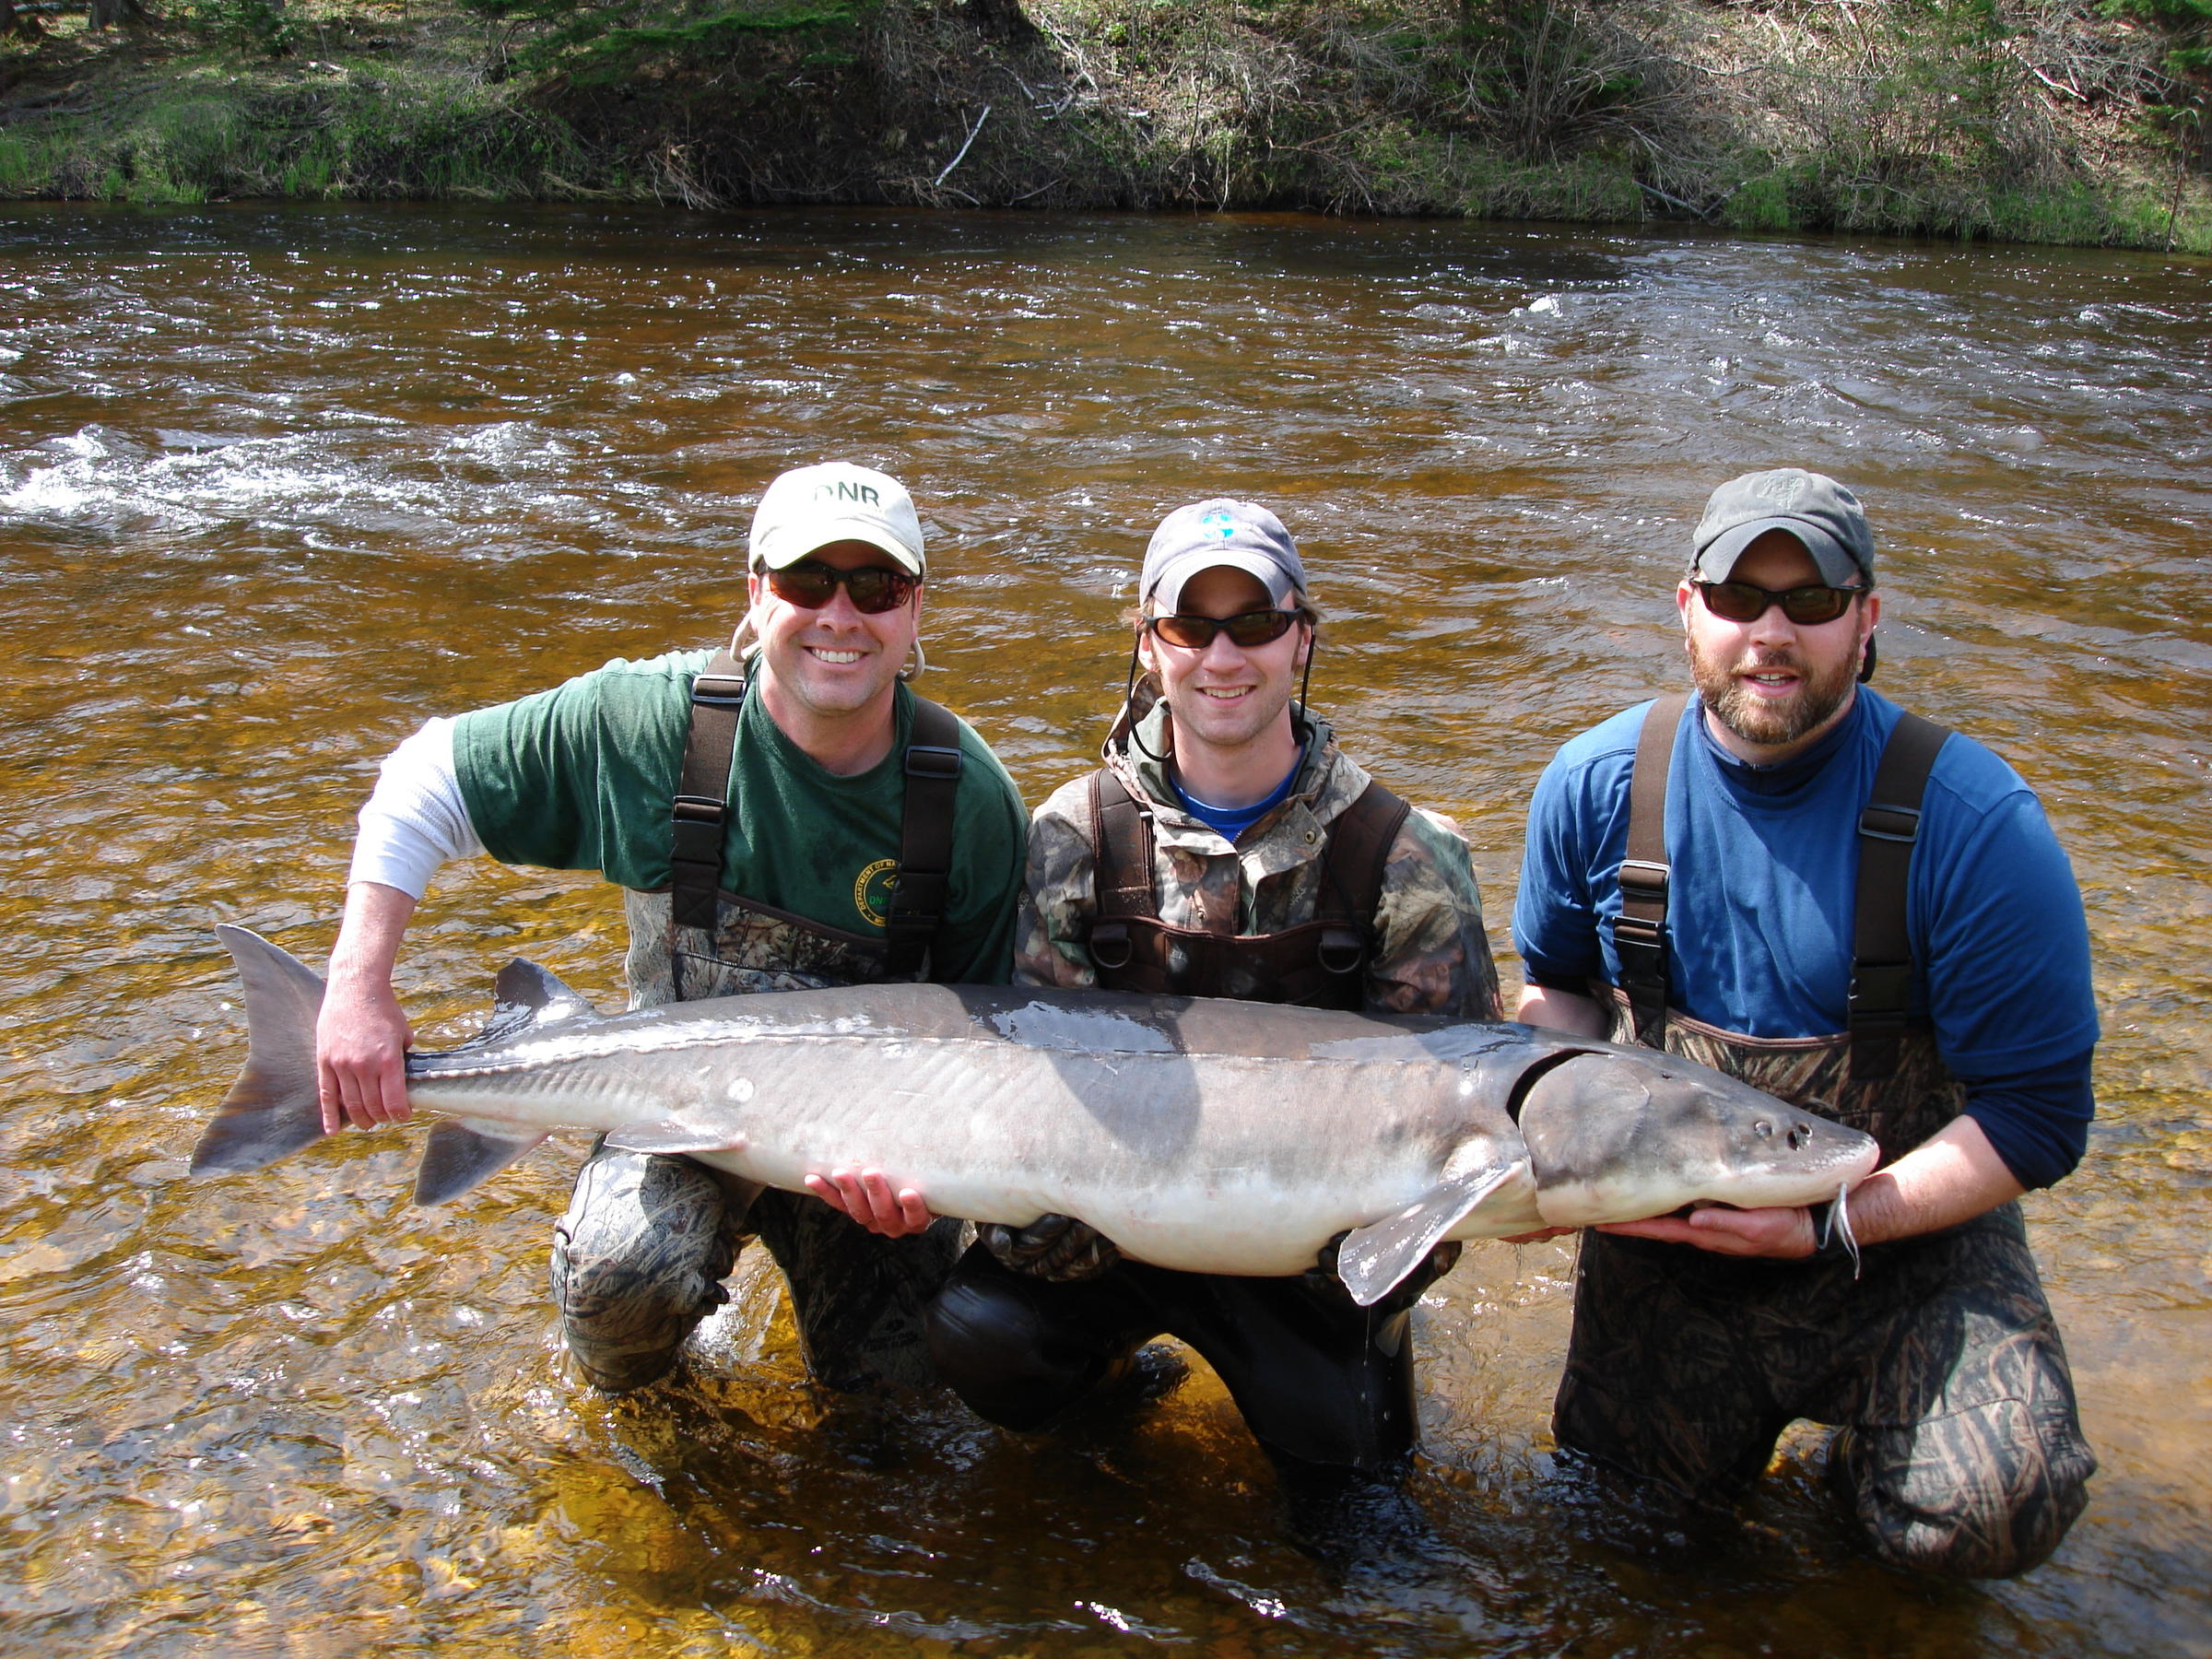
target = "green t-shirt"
x: 582, y: 777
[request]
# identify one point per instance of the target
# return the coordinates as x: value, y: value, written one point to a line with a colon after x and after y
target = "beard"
x: 1763, y: 720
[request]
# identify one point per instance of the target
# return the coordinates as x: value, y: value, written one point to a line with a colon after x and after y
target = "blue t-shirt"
x: 1764, y: 874
x: 1229, y: 822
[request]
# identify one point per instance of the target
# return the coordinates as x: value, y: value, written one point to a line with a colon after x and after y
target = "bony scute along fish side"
x: 1196, y: 1134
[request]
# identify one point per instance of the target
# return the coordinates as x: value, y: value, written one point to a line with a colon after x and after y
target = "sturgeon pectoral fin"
x: 458, y: 1155
x: 1374, y: 1258
x: 674, y: 1137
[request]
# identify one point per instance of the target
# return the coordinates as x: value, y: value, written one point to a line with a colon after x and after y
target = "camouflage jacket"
x: 1430, y: 954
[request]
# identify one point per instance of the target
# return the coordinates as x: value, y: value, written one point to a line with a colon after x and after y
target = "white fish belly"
x: 1206, y: 1169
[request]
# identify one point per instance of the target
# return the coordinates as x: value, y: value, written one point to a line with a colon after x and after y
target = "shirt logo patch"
x: 872, y: 891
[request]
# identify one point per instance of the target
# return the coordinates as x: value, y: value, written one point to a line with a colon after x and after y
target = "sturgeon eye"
x: 1762, y: 1128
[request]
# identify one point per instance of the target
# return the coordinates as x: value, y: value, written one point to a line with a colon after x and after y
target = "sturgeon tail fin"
x: 271, y: 1110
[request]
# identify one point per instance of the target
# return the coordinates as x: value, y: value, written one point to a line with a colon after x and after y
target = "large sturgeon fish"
x: 1210, y: 1135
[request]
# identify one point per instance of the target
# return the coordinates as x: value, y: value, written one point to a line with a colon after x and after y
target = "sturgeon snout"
x: 1614, y: 1135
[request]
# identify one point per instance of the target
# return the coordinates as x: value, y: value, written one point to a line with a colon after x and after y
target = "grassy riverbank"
x: 2064, y: 120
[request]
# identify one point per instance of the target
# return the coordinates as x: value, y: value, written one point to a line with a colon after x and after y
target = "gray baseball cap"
x: 1811, y: 506
x: 1219, y: 532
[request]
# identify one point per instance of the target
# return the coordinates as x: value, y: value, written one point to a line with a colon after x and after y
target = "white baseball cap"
x: 809, y: 507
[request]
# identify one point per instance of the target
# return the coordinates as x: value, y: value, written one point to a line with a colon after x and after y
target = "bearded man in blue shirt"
x: 1789, y: 878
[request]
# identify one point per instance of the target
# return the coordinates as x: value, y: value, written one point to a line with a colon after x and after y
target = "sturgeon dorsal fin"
x: 525, y: 986
x: 459, y: 1155
x: 1374, y: 1258
x: 526, y: 997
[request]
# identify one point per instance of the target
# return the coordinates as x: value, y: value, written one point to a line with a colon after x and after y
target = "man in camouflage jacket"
x: 1429, y: 954
x: 1226, y: 848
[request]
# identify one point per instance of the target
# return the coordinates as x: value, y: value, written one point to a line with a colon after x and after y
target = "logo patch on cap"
x: 1221, y: 524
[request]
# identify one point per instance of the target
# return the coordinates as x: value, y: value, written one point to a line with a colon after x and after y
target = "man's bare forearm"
x: 368, y: 938
x: 1952, y: 1176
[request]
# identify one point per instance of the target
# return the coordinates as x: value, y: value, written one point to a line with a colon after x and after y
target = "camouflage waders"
x: 638, y: 1258
x: 1960, y: 1451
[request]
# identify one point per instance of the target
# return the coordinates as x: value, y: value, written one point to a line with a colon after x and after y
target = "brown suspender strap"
x: 701, y: 816
x: 933, y: 780
x: 1881, y: 949
x: 1121, y: 854
x: 702, y: 810
x: 1353, y: 865
x: 1640, y: 931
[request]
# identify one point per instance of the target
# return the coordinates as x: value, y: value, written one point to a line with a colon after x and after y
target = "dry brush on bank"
x: 2059, y: 120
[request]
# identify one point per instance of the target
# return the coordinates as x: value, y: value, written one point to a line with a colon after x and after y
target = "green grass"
x: 1955, y: 201
x: 1199, y: 102
x: 205, y: 130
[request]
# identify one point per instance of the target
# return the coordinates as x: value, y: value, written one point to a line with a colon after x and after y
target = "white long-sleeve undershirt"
x: 414, y: 818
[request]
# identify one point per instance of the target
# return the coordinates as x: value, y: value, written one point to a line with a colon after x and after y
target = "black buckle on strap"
x: 929, y: 760
x: 1889, y: 823
x: 1342, y: 949
x: 1880, y: 990
x: 718, y: 691
x: 1638, y: 931
x: 697, y: 831
x: 921, y: 893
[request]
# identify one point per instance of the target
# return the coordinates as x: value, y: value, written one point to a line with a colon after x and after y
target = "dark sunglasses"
x: 810, y: 584
x: 1252, y: 628
x: 1806, y: 606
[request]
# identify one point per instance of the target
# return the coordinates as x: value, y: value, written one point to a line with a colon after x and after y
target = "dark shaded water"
x: 275, y: 485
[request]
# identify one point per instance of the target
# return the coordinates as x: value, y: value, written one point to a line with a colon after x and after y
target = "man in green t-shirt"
x: 785, y: 814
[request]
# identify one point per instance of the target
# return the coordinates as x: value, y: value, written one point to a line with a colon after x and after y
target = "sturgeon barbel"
x: 1197, y: 1133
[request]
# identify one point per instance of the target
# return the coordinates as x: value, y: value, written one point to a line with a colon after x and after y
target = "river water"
x: 275, y: 485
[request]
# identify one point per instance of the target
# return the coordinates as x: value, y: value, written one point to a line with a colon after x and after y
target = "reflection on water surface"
x: 276, y: 483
